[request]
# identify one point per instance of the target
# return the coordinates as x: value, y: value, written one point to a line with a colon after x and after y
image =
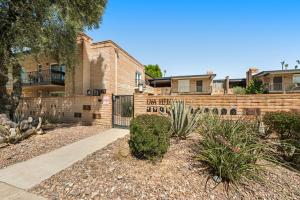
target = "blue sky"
x: 194, y: 36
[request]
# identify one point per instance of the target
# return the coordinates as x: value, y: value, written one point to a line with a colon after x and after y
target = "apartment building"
x: 180, y: 85
x: 100, y: 68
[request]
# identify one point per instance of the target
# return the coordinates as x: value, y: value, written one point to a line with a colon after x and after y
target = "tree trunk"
x: 9, y: 102
x: 4, y: 97
x: 17, y: 89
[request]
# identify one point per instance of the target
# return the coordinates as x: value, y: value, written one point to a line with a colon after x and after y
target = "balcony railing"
x: 197, y: 89
x: 44, y: 77
x: 280, y: 87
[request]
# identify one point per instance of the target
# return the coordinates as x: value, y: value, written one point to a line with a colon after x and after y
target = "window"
x: 183, y: 85
x: 296, y: 78
x: 57, y: 72
x: 138, y: 78
x: 199, y: 85
x: 39, y: 68
x: 59, y: 68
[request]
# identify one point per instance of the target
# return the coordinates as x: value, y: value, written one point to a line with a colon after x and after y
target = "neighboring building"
x: 280, y: 81
x: 178, y: 85
x: 225, y: 86
x: 102, y: 67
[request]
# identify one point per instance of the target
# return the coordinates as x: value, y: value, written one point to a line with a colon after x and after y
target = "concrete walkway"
x: 8, y: 192
x: 29, y: 173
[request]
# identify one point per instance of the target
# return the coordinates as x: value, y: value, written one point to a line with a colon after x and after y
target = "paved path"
x: 29, y: 173
x: 8, y: 192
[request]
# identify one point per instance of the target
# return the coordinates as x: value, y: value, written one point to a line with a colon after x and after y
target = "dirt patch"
x: 40, y: 144
x: 112, y: 173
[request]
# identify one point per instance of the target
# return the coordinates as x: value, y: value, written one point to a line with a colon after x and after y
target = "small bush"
x: 149, y: 136
x: 183, y: 119
x: 255, y: 87
x: 287, y: 126
x: 231, y: 149
x: 239, y: 90
x: 50, y: 119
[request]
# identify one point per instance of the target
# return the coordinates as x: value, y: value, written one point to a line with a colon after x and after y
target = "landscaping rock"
x: 2, y: 139
x: 171, y: 178
x: 24, y: 125
x: 39, y: 125
x: 13, y: 132
x: 37, y: 145
x: 4, y: 131
x: 30, y: 120
x: 28, y: 133
x: 40, y: 132
x: 48, y: 126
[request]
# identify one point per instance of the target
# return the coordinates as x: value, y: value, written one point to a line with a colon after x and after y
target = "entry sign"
x: 105, y: 100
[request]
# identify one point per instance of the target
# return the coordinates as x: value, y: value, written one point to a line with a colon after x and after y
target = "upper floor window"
x: 138, y: 78
x: 183, y: 85
x: 56, y: 67
x: 39, y: 68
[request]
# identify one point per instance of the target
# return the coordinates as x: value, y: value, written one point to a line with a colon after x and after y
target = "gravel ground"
x: 40, y: 144
x: 111, y: 173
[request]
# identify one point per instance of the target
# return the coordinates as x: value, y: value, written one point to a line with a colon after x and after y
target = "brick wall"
x: 126, y: 69
x: 93, y: 110
x: 241, y: 105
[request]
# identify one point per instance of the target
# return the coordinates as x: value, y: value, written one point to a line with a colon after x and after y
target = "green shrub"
x: 287, y: 126
x: 255, y: 87
x: 231, y: 149
x: 50, y: 119
x: 239, y: 90
x: 149, y: 136
x: 183, y: 119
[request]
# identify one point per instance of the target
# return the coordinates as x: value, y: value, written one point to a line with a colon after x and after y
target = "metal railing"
x: 44, y: 77
x: 280, y: 87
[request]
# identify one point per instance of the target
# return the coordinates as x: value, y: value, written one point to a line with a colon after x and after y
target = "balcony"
x: 44, y: 77
x: 282, y: 88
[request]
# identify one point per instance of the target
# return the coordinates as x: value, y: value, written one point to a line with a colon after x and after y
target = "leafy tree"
x: 255, y: 87
x: 42, y: 27
x: 154, y: 71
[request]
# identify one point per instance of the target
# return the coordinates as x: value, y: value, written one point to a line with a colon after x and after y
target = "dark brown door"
x: 199, y: 86
x: 277, y: 83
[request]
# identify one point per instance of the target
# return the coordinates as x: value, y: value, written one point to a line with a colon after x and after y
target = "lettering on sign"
x: 158, y: 102
x: 162, y: 106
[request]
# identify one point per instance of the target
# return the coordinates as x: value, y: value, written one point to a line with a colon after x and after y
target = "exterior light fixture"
x: 141, y: 87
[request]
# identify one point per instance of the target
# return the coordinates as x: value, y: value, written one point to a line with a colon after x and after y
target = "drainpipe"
x: 116, y: 70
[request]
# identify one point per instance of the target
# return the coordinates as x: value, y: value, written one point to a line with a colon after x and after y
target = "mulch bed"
x: 40, y: 144
x: 112, y: 173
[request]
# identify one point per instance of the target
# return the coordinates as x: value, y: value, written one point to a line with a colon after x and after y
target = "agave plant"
x: 183, y: 119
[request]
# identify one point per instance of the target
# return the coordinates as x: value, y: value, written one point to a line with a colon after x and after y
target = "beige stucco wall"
x: 206, y: 84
